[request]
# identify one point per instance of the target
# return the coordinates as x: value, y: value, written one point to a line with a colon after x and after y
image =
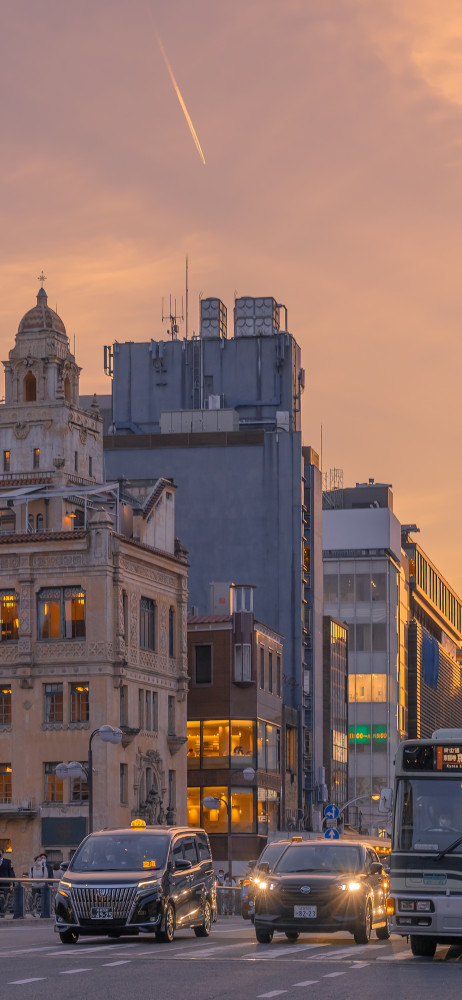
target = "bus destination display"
x: 449, y: 758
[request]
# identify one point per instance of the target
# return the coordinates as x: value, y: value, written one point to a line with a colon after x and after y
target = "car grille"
x: 292, y: 895
x: 120, y: 899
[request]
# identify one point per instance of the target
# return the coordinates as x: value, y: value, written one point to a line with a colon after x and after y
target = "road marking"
x: 18, y: 982
x: 204, y: 952
x: 70, y: 972
x: 79, y: 951
x: 274, y: 993
x: 307, y: 982
x: 331, y: 975
x: 123, y: 962
x: 349, y: 952
x: 394, y: 956
x: 280, y: 952
x: 359, y: 965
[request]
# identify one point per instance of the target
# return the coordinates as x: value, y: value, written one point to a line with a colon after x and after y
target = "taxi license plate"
x: 304, y: 911
x: 102, y: 913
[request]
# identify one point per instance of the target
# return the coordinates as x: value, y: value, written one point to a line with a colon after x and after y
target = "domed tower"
x: 41, y: 368
x: 47, y: 438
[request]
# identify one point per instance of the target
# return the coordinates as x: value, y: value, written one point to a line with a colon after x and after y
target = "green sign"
x: 366, y: 734
x: 359, y: 734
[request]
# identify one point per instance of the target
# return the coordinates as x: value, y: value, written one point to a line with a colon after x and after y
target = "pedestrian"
x: 58, y: 872
x: 6, y: 885
x: 229, y: 894
x: 39, y: 870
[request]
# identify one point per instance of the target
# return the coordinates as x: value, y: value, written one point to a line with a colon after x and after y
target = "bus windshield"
x: 428, y: 814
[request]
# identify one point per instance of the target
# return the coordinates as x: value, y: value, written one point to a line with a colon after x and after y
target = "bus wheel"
x: 423, y: 947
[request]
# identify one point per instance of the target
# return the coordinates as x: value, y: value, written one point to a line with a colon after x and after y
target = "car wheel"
x: 362, y: 933
x: 69, y: 937
x: 423, y: 947
x: 383, y: 933
x: 168, y: 932
x: 245, y: 911
x: 263, y: 935
x: 204, y: 928
x: 292, y: 935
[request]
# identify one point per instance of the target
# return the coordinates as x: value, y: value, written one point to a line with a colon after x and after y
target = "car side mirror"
x: 181, y: 864
x: 64, y: 865
x: 264, y: 867
x: 251, y: 864
x: 376, y: 868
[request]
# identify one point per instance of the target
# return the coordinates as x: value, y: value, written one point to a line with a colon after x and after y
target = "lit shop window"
x: 215, y: 743
x: 215, y: 820
x: 194, y: 806
x: 242, y: 740
x: 194, y: 744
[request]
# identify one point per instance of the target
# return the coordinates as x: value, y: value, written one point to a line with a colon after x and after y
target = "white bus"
x: 425, y: 901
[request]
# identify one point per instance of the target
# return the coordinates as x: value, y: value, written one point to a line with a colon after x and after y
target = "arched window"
x: 67, y: 389
x: 39, y: 522
x: 30, y: 388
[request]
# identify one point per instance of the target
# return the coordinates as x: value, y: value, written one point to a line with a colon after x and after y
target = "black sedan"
x: 322, y: 886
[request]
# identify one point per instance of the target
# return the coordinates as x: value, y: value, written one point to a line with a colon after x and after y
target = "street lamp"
x: 213, y: 802
x: 108, y: 734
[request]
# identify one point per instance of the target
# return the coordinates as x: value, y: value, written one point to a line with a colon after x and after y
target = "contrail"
x: 183, y: 105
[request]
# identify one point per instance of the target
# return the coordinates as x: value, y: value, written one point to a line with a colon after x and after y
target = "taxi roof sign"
x: 138, y: 824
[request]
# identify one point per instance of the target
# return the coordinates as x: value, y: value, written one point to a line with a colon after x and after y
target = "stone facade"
x: 93, y: 605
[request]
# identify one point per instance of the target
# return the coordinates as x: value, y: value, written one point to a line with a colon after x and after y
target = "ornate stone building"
x: 93, y: 592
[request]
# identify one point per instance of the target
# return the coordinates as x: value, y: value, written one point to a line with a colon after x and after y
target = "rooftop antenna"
x: 187, y: 298
x: 173, y: 318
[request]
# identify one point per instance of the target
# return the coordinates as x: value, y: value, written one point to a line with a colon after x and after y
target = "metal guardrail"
x: 32, y: 899
x: 28, y: 898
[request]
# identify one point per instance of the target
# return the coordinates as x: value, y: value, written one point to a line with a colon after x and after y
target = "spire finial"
x: 42, y: 278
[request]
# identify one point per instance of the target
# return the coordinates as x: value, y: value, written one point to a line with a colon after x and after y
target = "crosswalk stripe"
x: 307, y: 982
x: 272, y: 951
x: 19, y: 982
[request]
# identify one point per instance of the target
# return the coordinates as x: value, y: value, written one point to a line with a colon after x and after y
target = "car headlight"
x: 353, y: 886
x: 63, y: 883
x: 266, y: 885
x: 149, y: 884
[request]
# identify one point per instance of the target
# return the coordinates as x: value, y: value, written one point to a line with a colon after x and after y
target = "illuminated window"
x: 5, y: 705
x: 6, y: 461
x: 53, y: 786
x: 61, y: 613
x: 242, y: 741
x: 367, y: 687
x: 215, y: 820
x: 242, y: 811
x: 291, y: 749
x: 9, y: 621
x: 194, y: 744
x: 194, y: 806
x: 36, y: 458
x: 147, y: 623
x: 5, y: 782
x: 202, y: 664
x: 215, y: 742
x: 79, y: 707
x: 53, y: 703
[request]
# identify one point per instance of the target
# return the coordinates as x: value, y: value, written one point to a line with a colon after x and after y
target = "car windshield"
x: 309, y: 857
x: 270, y: 855
x: 428, y: 815
x: 114, y: 852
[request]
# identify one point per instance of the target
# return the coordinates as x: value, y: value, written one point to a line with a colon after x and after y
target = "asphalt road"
x: 229, y: 965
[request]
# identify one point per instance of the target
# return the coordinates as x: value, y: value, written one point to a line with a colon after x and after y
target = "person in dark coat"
x: 6, y: 874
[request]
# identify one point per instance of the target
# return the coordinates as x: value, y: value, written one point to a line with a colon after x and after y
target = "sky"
x: 332, y: 137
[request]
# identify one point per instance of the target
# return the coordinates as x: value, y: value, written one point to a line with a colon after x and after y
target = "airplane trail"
x: 183, y: 105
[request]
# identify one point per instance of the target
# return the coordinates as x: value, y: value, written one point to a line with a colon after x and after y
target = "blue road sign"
x: 331, y: 812
x: 331, y: 834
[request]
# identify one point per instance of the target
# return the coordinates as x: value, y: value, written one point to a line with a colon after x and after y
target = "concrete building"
x: 404, y: 625
x: 365, y: 586
x: 235, y: 717
x: 93, y: 602
x: 221, y: 416
x: 434, y: 639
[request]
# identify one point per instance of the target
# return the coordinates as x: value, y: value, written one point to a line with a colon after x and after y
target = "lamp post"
x: 213, y: 802
x: 108, y: 734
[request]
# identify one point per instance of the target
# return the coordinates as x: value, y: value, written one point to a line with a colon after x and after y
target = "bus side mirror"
x: 386, y: 800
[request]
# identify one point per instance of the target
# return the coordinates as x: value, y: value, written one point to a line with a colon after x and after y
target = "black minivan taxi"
x: 151, y: 879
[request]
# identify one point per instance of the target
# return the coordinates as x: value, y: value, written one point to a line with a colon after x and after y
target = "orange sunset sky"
x: 332, y: 135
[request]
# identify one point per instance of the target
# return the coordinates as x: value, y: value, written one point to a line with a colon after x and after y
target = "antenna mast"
x: 173, y: 318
